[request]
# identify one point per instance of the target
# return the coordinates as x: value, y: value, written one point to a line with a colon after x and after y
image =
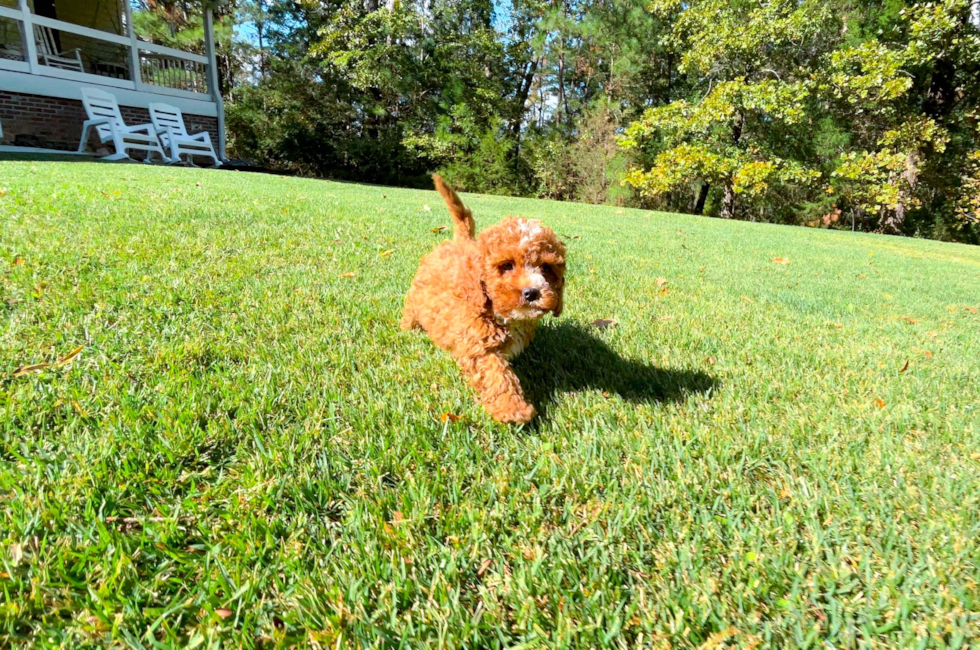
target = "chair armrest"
x: 149, y: 128
x: 99, y: 121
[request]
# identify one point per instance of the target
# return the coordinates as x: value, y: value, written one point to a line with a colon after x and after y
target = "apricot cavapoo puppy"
x: 481, y: 298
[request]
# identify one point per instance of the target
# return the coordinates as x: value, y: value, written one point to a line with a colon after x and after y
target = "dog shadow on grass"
x: 568, y: 358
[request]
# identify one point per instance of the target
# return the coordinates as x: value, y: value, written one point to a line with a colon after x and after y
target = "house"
x: 51, y: 49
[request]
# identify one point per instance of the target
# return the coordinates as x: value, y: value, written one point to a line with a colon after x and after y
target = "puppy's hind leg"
x: 409, y: 321
x: 498, y: 388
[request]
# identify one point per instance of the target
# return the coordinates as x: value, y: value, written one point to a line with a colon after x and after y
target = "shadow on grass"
x: 569, y: 358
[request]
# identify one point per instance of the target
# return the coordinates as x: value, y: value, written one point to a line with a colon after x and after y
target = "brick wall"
x: 57, y: 123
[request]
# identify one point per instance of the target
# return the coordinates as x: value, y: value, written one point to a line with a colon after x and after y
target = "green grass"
x: 247, y: 451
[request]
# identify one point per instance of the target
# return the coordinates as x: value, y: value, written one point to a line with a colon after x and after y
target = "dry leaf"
x: 905, y: 367
x: 23, y: 370
x: 397, y: 516
x: 972, y: 310
x: 20, y: 260
x: 16, y: 553
x: 387, y: 252
x: 664, y: 319
x: 661, y: 282
x: 483, y: 567
x: 710, y: 360
x: 348, y: 275
x: 452, y: 417
x: 839, y: 325
x: 880, y: 403
x: 910, y: 320
x: 928, y: 354
x: 605, y: 394
x: 603, y: 323
x: 933, y: 334
x: 223, y: 613
x: 440, y: 229
x: 780, y: 260
x: 71, y: 355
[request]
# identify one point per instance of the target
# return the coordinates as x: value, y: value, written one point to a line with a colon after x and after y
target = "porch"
x: 51, y: 49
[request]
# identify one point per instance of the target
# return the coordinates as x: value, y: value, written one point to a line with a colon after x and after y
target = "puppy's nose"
x: 530, y: 294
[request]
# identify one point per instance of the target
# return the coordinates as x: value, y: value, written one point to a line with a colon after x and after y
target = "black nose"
x: 530, y: 294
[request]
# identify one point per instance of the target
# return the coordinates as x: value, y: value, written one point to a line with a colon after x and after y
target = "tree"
x: 748, y: 64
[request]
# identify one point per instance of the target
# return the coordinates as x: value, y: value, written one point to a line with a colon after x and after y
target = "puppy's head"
x: 523, y: 269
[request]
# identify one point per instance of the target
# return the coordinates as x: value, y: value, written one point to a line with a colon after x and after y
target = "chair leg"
x: 83, y: 143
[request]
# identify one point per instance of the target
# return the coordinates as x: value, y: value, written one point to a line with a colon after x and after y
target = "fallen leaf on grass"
x: 605, y: 394
x: 780, y: 260
x: 710, y: 360
x: 20, y: 260
x: 603, y: 323
x: 223, y: 613
x: 932, y: 334
x: 880, y: 403
x: 440, y: 229
x: 387, y: 252
x: 661, y: 282
x: 71, y: 355
x: 483, y: 567
x: 452, y: 417
x: 910, y: 320
x: 348, y: 275
x: 664, y: 319
x: 23, y: 370
x: 905, y: 367
x: 972, y: 310
x: 928, y: 354
x: 397, y: 517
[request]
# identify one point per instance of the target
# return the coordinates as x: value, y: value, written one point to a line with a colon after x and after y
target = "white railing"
x: 148, y: 67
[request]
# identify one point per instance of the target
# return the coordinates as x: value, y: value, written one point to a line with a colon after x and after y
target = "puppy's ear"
x: 556, y: 312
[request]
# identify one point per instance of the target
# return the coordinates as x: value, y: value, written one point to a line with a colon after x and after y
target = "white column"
x: 135, y: 74
x: 213, y: 86
x: 30, y: 45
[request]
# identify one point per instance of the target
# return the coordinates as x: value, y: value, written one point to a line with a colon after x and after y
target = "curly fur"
x: 470, y: 296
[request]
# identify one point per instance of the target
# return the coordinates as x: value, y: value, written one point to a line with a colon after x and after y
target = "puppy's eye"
x: 506, y: 266
x: 546, y: 268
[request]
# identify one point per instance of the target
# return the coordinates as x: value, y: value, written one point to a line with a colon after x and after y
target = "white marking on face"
x: 530, y: 228
x: 534, y: 277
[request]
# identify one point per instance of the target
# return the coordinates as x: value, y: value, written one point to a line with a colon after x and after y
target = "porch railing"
x: 135, y: 64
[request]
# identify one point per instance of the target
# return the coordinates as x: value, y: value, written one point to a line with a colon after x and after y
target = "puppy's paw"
x: 520, y: 413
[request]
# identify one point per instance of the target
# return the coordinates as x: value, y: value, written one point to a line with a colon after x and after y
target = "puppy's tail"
x: 463, y: 225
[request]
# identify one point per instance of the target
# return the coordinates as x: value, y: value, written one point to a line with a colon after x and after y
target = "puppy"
x: 481, y: 298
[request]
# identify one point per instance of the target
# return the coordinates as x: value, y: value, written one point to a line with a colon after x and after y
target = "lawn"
x: 246, y: 450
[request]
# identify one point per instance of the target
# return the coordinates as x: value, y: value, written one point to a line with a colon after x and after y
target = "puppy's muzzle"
x: 530, y: 294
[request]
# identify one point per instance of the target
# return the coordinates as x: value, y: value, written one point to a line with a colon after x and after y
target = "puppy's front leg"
x: 497, y: 387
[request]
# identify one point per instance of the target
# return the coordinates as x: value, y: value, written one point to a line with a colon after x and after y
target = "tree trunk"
x: 728, y: 203
x: 522, y: 94
x: 702, y: 197
x: 892, y: 222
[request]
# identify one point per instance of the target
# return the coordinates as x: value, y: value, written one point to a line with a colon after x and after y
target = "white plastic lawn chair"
x: 169, y: 124
x: 48, y: 49
x: 105, y: 118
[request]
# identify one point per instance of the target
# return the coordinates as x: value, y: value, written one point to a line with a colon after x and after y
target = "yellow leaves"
x: 440, y: 229
x: 661, y: 282
x: 780, y: 260
x: 349, y: 274
x: 450, y: 417
x: 910, y: 320
x: 880, y: 403
x: 904, y: 367
x: 18, y: 261
x: 387, y: 253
